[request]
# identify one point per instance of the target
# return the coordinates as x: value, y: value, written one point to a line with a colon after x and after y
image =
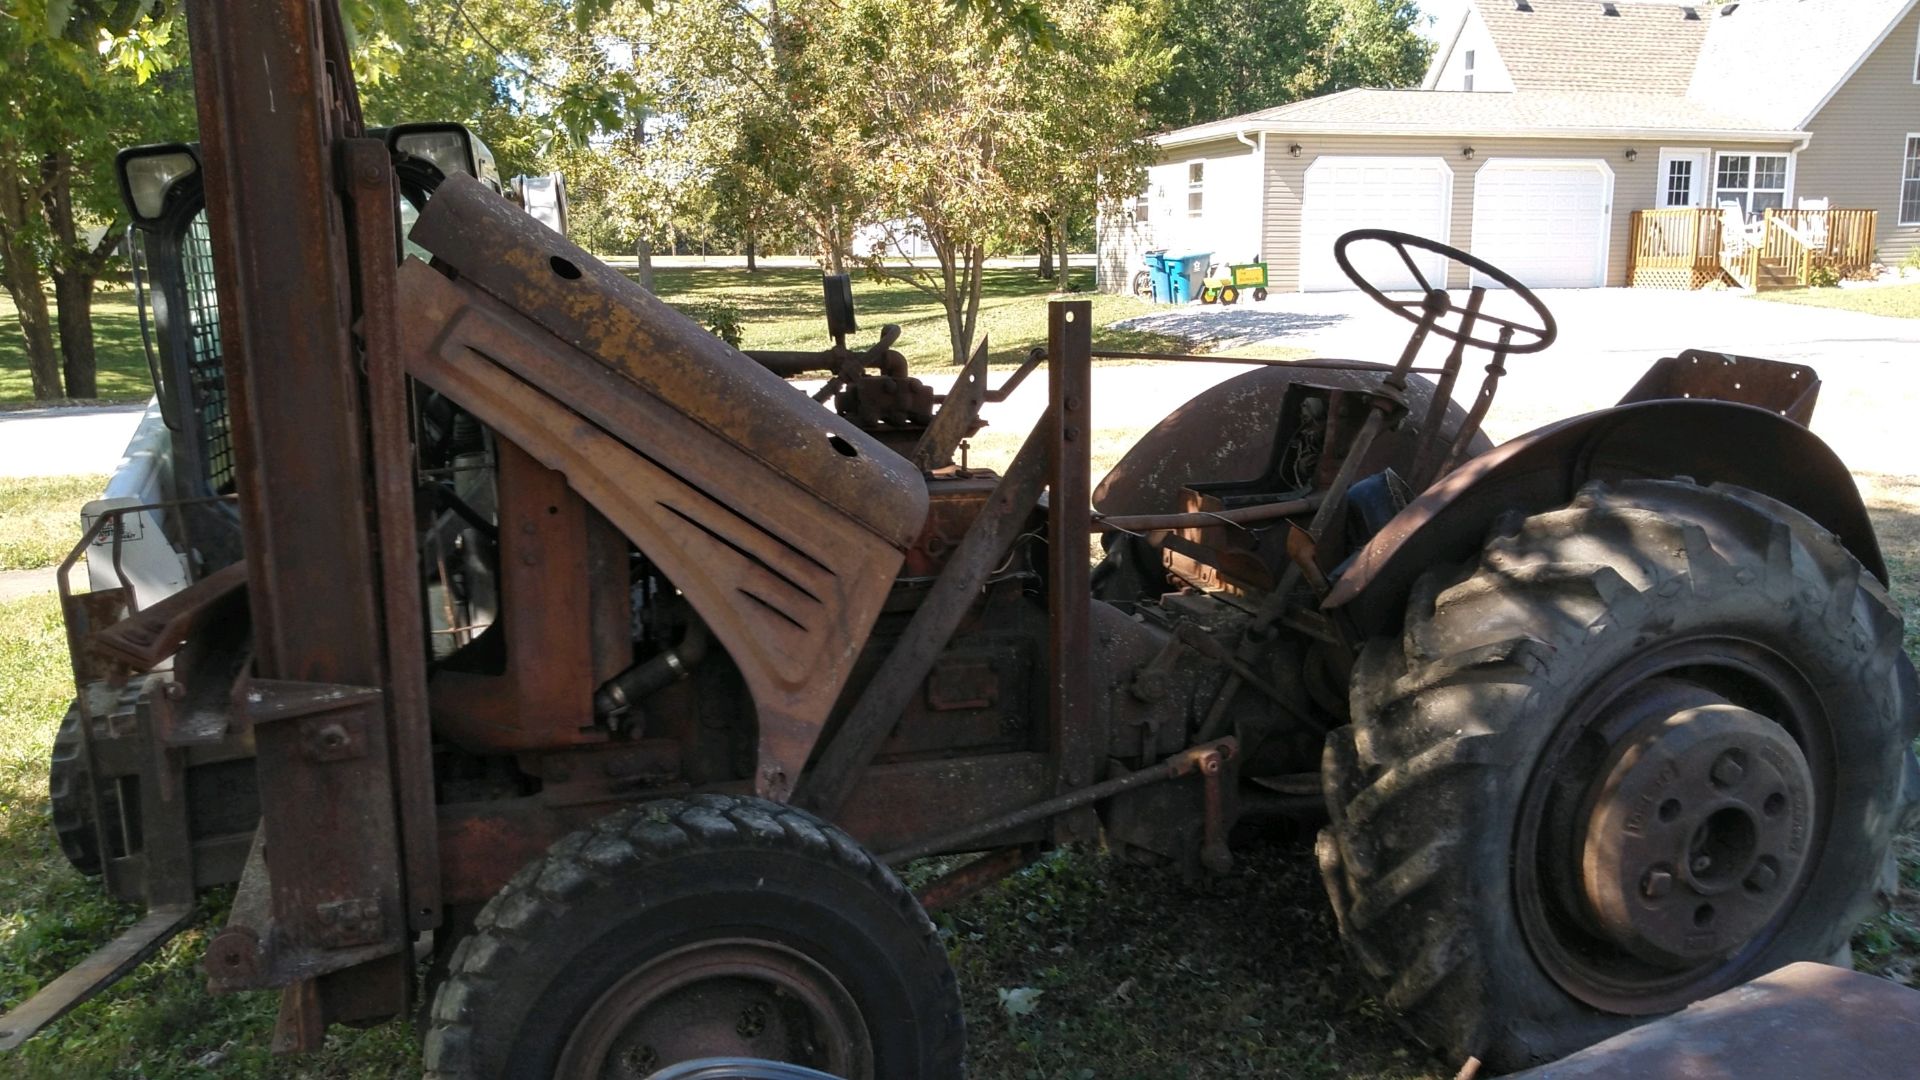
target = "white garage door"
x: 1544, y: 222
x: 1343, y: 193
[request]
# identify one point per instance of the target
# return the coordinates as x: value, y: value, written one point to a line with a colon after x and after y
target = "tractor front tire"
x: 67, y: 793
x: 1643, y: 748
x: 687, y: 928
x: 1229, y: 295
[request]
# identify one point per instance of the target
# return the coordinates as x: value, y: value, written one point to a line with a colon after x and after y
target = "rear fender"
x: 1708, y: 441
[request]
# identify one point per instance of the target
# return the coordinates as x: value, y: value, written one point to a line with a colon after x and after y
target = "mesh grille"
x: 206, y: 373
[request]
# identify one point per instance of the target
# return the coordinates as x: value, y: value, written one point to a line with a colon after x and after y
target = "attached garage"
x: 1545, y: 221
x: 1341, y: 193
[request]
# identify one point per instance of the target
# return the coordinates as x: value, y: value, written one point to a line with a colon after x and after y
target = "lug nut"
x: 1656, y: 884
x: 1728, y: 771
x: 1763, y: 877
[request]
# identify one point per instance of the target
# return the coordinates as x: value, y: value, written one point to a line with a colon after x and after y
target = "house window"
x: 1679, y: 191
x: 1910, y: 183
x: 1916, y: 63
x: 1758, y: 182
x: 1196, y: 187
x: 1468, y: 81
x: 1142, y: 203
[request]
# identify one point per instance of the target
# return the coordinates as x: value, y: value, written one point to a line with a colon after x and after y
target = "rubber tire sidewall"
x: 687, y: 903
x: 1498, y: 1001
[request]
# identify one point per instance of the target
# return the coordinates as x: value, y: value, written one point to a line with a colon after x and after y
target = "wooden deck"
x: 1692, y: 248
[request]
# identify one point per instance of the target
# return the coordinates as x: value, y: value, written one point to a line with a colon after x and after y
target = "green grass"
x: 40, y: 518
x: 781, y: 309
x: 1899, y: 301
x: 122, y: 359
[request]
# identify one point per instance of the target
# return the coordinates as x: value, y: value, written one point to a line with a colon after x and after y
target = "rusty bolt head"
x: 1657, y: 883
x: 1728, y: 770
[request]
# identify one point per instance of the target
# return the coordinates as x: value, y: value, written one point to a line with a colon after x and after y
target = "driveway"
x: 1869, y: 365
x: 65, y: 441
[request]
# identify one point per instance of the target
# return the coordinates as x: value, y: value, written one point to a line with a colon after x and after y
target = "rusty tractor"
x: 585, y: 662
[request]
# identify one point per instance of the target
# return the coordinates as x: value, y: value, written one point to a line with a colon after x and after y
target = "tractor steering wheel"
x: 1434, y: 304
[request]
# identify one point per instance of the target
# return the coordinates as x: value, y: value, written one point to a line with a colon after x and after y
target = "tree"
x: 962, y: 136
x: 1238, y: 56
x: 69, y: 108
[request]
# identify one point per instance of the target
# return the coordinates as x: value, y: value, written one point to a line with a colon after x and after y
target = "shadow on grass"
x: 121, y: 356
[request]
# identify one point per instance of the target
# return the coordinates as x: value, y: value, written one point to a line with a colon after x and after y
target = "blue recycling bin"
x: 1187, y: 271
x: 1160, y: 273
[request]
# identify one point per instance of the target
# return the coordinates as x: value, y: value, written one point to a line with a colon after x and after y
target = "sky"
x: 1443, y: 11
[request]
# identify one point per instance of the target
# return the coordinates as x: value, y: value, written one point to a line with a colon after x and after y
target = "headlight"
x: 147, y: 173
x: 447, y: 147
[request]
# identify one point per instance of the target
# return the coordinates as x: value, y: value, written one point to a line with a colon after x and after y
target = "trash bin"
x: 1159, y: 270
x: 1187, y: 271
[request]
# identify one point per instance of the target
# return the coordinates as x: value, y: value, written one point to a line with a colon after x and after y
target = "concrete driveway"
x: 1869, y: 408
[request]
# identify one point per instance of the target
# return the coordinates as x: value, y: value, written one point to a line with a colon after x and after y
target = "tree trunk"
x: 73, y: 301
x: 20, y: 265
x: 1045, y: 270
x: 1060, y: 246
x: 752, y: 266
x: 643, y: 262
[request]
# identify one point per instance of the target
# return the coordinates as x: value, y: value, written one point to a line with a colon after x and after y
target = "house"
x: 1575, y: 143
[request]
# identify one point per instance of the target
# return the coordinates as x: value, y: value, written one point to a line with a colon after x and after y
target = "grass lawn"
x: 116, y: 337
x: 781, y: 309
x: 40, y: 518
x: 1900, y: 301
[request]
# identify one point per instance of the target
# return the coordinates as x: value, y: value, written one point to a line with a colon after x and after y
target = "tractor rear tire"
x: 707, y: 926
x: 67, y: 792
x: 1643, y: 748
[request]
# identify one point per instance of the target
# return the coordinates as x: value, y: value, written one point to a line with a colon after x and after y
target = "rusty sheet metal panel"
x: 788, y: 582
x: 1802, y: 1022
x: 1226, y: 433
x: 643, y: 345
x: 1544, y: 468
x: 1788, y: 389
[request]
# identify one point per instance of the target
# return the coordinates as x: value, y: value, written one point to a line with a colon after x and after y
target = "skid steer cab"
x: 587, y: 672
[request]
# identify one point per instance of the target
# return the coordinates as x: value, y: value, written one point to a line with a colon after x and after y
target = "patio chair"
x: 1813, y: 222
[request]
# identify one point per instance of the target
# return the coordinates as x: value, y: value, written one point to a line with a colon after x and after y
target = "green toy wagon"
x: 1226, y: 288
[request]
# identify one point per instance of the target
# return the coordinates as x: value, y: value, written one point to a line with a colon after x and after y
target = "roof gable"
x: 1646, y: 48
x: 1784, y: 59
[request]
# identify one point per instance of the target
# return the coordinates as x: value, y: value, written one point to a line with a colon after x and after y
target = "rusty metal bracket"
x: 1074, y: 741
x: 825, y: 787
x: 1197, y: 759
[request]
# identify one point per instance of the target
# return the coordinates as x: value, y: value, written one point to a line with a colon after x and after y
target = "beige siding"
x: 1231, y: 209
x: 1859, y: 140
x: 1634, y: 184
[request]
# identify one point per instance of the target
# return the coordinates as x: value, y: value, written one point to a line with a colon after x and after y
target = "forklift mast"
x: 320, y: 473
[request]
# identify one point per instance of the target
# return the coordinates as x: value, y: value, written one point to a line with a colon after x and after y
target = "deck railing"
x: 1674, y: 249
x: 1687, y: 248
x: 1841, y: 239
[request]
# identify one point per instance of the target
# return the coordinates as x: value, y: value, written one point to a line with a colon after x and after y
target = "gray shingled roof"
x: 1781, y: 58
x: 1548, y: 113
x: 1575, y: 45
x: 1761, y: 68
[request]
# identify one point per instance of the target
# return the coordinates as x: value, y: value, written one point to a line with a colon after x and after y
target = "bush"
x: 720, y: 318
x: 1823, y: 276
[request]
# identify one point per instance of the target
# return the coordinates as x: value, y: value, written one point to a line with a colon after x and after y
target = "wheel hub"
x: 1698, y: 833
x: 726, y: 998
